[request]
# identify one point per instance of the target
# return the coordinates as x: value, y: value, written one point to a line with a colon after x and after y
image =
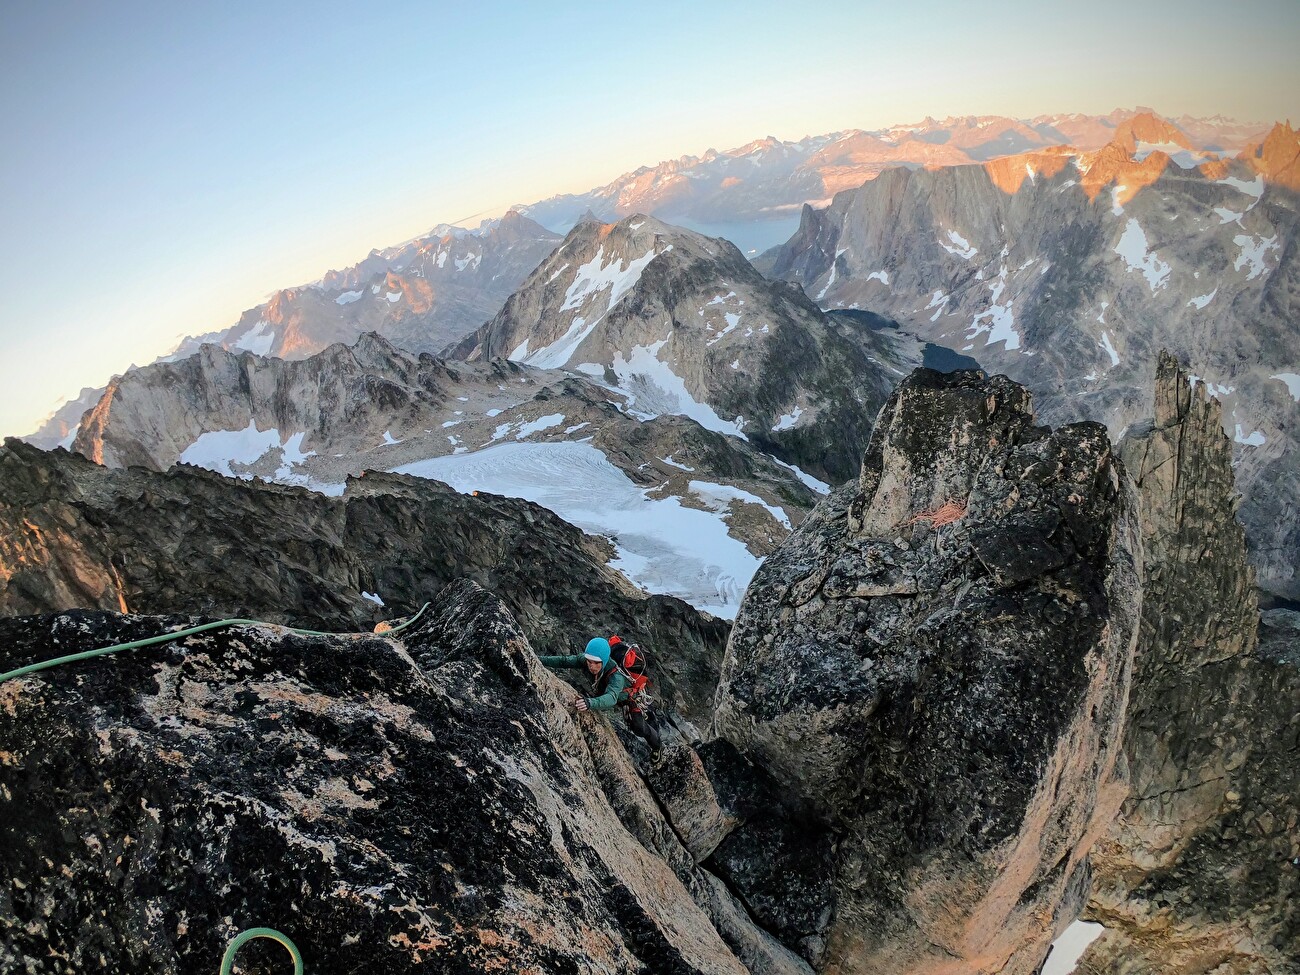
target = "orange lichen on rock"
x: 945, y: 514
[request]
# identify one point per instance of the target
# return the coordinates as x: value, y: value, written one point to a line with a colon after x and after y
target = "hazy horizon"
x: 170, y: 168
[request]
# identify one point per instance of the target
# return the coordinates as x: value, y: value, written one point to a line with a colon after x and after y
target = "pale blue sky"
x: 166, y: 166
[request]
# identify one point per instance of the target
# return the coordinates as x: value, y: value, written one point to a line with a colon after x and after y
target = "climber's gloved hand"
x: 580, y: 704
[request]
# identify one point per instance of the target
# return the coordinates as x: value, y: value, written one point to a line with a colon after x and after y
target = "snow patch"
x: 962, y: 247
x: 1253, y: 439
x: 216, y: 450
x: 389, y: 439
x: 1292, y: 381
x: 372, y: 597
x: 393, y: 296
x: 1254, y: 188
x: 881, y: 276
x: 1254, y: 250
x: 821, y: 487
x: 1200, y: 301
x: 595, y: 276
x: 591, y: 278
x: 258, y: 339
x: 1070, y: 946
x: 1110, y: 349
x: 1132, y: 247
x: 1001, y: 321
x: 720, y: 496
x: 348, y: 297
x: 538, y: 425
x: 788, y: 420
x: 654, y: 388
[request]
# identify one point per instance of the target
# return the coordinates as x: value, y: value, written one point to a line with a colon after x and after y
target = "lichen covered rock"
x: 392, y: 804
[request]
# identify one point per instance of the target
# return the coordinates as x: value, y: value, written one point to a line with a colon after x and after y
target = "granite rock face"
x: 420, y: 803
x: 937, y: 661
x: 1199, y: 873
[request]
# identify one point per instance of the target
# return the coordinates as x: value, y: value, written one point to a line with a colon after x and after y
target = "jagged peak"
x: 1277, y: 156
x: 1148, y: 127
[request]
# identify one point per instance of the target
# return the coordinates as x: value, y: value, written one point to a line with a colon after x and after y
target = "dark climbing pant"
x: 636, y: 720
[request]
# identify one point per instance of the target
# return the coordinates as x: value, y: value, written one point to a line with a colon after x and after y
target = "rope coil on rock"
x: 177, y: 635
x: 232, y: 949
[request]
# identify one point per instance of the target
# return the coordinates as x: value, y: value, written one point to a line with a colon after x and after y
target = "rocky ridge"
x: 396, y: 804
x: 1201, y: 871
x: 767, y: 180
x: 1068, y: 270
x: 73, y: 534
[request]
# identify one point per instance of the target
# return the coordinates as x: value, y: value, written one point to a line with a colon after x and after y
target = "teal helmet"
x: 598, y: 650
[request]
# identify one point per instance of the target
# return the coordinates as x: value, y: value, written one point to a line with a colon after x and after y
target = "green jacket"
x: 611, y: 685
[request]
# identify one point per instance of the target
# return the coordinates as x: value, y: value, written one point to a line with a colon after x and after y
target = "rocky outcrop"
x: 187, y: 541
x: 1068, y: 271
x: 391, y: 804
x: 937, y: 662
x: 1200, y: 873
x: 419, y: 295
x: 683, y: 324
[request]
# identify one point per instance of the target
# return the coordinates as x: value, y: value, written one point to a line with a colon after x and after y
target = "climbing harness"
x: 232, y: 949
x: 177, y: 635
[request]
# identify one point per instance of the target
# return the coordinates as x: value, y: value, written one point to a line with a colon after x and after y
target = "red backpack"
x: 634, y: 664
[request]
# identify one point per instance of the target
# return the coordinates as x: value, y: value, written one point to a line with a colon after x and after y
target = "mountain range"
x: 1065, y: 267
x: 429, y: 291
x: 768, y: 180
x: 1069, y: 270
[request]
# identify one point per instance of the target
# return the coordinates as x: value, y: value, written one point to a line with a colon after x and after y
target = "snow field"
x: 662, y: 546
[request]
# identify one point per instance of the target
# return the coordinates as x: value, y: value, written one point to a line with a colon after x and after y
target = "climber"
x: 612, y: 689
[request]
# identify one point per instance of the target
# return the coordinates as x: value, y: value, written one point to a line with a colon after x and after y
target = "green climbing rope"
x: 176, y: 635
x: 232, y: 949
